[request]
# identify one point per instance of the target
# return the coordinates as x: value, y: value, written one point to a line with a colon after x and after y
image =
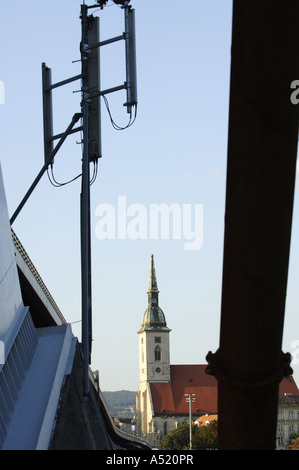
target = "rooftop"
x: 205, y: 419
x: 288, y: 385
x: 288, y: 400
x: 169, y: 398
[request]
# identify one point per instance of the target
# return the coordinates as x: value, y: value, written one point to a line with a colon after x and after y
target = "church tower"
x: 154, y: 356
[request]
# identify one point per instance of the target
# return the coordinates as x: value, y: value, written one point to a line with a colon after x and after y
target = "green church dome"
x: 153, y: 317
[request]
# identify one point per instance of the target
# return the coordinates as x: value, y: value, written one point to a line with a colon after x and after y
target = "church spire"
x: 152, y: 293
x: 153, y: 316
x: 152, y: 284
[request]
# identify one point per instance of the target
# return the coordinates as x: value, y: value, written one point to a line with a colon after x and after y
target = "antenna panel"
x: 94, y: 120
x: 131, y: 74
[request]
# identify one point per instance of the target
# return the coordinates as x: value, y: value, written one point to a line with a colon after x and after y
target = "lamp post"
x: 190, y: 398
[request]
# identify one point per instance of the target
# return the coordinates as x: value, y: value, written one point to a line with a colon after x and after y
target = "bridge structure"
x: 41, y: 383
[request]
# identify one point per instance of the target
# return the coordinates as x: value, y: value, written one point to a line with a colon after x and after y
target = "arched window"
x: 157, y: 354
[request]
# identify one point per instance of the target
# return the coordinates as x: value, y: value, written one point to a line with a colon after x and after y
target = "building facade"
x: 287, y: 419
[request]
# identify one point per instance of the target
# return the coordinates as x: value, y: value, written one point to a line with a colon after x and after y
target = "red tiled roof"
x: 288, y: 385
x: 203, y: 420
x: 169, y: 398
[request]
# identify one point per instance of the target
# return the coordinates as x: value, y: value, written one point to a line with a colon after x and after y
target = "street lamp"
x: 190, y: 398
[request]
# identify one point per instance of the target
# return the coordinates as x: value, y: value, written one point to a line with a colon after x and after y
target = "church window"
x: 157, y: 339
x: 157, y: 354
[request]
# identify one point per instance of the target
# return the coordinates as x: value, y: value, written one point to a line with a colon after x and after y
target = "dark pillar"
x: 262, y: 148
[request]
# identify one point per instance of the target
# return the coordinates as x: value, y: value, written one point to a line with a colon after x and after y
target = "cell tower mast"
x: 90, y: 117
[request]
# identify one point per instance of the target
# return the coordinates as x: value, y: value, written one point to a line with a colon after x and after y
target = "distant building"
x: 127, y: 425
x: 161, y: 401
x: 287, y: 419
x: 205, y: 420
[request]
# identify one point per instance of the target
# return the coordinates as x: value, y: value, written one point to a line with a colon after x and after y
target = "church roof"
x: 153, y: 318
x: 288, y: 386
x: 169, y: 398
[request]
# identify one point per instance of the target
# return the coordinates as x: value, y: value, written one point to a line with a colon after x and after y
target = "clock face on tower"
x: 158, y: 370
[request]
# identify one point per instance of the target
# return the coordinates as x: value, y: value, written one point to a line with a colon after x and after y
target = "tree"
x: 207, y: 437
x: 177, y: 439
x: 294, y: 442
x: 294, y: 445
x: 203, y: 437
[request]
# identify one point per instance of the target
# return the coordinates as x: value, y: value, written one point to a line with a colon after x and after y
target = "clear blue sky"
x: 175, y: 153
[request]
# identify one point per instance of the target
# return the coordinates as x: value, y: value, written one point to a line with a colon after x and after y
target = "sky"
x: 174, y: 154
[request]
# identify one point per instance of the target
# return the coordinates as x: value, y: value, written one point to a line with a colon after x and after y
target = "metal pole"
x: 75, y: 118
x: 189, y: 399
x: 85, y: 209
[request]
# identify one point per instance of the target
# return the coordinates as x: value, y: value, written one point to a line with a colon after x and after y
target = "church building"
x: 162, y: 400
